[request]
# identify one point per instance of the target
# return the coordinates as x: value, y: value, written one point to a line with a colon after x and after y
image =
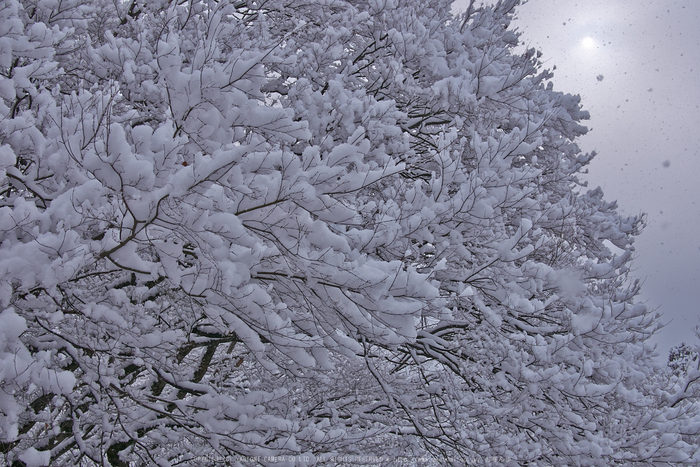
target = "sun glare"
x: 588, y: 42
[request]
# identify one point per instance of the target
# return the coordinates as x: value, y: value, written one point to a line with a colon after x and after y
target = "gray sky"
x: 645, y: 120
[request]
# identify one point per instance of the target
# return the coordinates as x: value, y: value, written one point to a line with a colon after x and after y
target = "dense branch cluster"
x: 308, y: 229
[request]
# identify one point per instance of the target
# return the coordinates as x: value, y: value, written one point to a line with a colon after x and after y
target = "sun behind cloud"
x: 588, y: 42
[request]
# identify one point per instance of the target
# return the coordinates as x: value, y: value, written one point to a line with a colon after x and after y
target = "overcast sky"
x: 636, y: 65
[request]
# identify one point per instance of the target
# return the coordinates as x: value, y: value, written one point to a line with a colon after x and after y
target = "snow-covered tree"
x: 306, y: 229
x: 682, y: 358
